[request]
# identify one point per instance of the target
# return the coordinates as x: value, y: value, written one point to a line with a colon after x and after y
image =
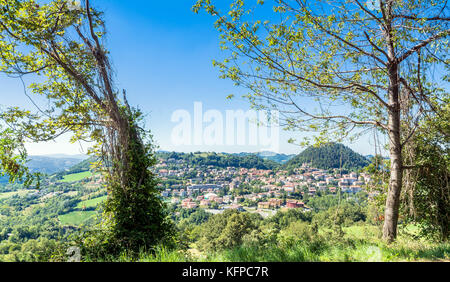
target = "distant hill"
x: 4, y: 179
x: 50, y: 164
x: 82, y: 166
x: 64, y: 156
x: 267, y: 155
x: 329, y: 156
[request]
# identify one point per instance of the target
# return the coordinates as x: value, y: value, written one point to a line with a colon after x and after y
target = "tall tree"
x: 341, y: 67
x: 60, y: 44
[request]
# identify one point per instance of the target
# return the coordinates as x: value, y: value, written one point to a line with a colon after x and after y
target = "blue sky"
x: 162, y: 53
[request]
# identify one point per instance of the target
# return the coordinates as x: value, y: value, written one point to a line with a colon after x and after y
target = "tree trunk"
x: 395, y: 150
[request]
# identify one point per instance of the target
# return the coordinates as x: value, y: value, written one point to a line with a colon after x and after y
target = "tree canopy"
x: 61, y: 44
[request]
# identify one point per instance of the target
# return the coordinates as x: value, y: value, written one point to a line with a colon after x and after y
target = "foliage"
x: 226, y: 230
x: 134, y: 216
x: 13, y: 157
x: 378, y: 170
x: 426, y: 200
x: 283, y: 219
x: 325, y: 202
x: 345, y: 214
x: 301, y: 233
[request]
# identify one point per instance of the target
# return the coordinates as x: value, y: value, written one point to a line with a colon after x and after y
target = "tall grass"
x: 163, y: 254
x: 296, y: 253
x: 335, y: 252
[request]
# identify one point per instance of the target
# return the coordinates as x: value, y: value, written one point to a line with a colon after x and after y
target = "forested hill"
x: 328, y: 156
x: 221, y: 160
x: 50, y: 164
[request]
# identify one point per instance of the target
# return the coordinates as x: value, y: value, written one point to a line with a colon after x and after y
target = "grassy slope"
x: 361, y: 243
x: 76, y: 217
x: 76, y: 176
x: 92, y: 203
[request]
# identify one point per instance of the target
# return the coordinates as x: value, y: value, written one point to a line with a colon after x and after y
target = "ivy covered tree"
x: 60, y: 44
x: 341, y: 68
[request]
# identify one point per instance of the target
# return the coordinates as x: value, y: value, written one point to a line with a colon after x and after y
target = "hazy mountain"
x: 268, y: 155
x: 64, y: 156
x: 51, y: 165
x: 3, y: 179
x: 84, y: 165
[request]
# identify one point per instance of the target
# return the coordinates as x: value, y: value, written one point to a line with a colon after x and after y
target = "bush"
x: 227, y: 230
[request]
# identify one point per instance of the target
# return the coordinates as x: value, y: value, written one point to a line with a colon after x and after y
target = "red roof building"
x: 293, y: 204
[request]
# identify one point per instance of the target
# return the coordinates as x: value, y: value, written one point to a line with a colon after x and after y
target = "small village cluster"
x: 213, y: 186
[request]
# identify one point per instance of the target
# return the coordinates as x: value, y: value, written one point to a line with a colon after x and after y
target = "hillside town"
x: 261, y: 190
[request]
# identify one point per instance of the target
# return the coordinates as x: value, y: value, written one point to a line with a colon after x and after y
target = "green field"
x: 92, y: 203
x: 76, y: 217
x: 76, y: 176
x: 79, y: 216
x: 7, y: 195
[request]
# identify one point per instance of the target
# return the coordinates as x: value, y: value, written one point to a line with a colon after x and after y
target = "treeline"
x: 220, y: 160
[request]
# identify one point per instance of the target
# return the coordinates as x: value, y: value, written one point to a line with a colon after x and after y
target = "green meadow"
x: 76, y: 217
x: 76, y: 176
x: 91, y: 203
